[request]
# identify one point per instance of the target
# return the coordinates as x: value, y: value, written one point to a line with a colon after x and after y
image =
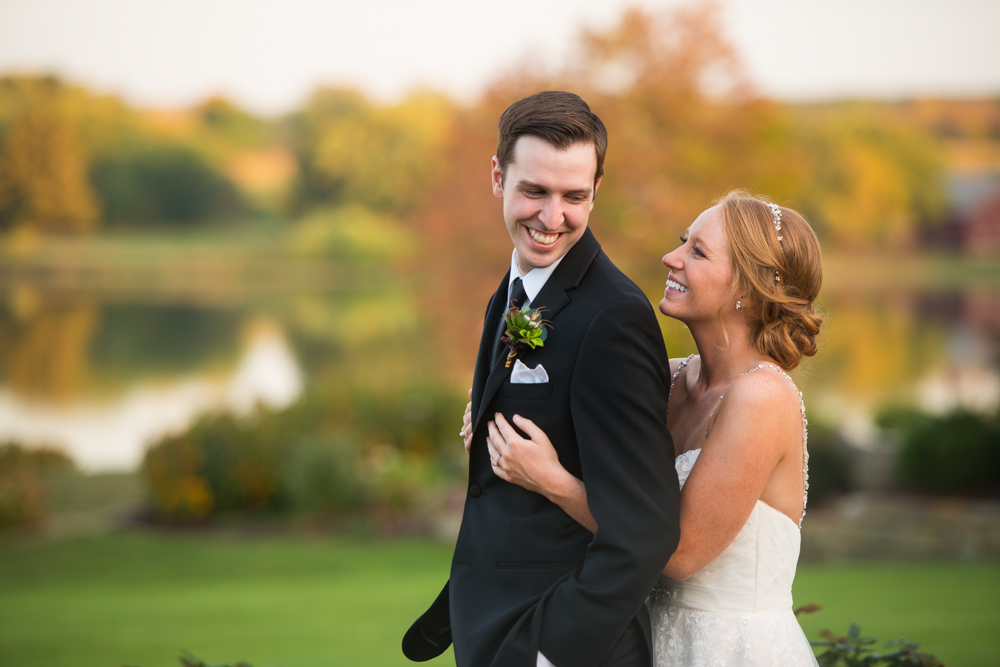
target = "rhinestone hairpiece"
x: 776, y: 213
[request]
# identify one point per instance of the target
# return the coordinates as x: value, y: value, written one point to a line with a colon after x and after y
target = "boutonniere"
x: 525, y: 329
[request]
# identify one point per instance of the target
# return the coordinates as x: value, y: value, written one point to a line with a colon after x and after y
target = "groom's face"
x: 547, y: 194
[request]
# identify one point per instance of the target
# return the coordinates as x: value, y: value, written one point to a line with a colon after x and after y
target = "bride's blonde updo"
x: 782, y: 322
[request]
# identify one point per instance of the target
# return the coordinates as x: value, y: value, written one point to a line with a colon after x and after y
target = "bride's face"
x: 700, y: 271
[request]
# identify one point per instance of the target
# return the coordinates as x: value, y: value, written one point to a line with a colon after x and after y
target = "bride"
x: 743, y: 280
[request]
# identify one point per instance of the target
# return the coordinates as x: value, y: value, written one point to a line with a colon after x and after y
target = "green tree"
x: 166, y: 183
x: 384, y: 158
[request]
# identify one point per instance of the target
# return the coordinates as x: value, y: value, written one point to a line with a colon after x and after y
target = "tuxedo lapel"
x: 552, y: 297
x: 498, y: 374
x: 491, y: 327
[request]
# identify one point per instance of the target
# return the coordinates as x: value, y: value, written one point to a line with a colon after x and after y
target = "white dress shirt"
x: 533, y: 280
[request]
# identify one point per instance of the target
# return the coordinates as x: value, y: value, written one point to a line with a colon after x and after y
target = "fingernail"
x: 517, y: 418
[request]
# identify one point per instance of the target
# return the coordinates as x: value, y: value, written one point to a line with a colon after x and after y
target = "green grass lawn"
x: 137, y: 598
x: 951, y: 609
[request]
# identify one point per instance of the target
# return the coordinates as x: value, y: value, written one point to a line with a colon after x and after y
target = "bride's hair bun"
x: 783, y: 323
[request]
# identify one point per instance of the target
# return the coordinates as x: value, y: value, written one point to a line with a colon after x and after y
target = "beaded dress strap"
x: 805, y: 439
x: 680, y: 367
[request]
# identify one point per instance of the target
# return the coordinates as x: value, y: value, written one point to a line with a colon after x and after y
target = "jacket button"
x: 475, y: 491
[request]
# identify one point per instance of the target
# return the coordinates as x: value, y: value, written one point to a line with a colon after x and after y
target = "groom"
x: 530, y: 586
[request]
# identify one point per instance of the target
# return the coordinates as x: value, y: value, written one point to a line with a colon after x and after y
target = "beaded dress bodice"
x: 754, y: 572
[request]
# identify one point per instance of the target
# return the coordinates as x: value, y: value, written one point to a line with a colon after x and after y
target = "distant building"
x: 982, y: 230
x: 972, y: 225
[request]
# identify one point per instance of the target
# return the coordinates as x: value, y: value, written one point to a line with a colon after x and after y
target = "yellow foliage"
x: 264, y: 171
x: 44, y: 354
x: 385, y: 157
x: 867, y: 181
x: 352, y: 232
x: 872, y: 203
x: 43, y: 175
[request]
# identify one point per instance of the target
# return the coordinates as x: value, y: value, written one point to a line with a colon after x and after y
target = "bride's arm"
x: 535, y: 465
x: 758, y: 423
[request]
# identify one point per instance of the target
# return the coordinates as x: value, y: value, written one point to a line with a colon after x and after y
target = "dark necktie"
x: 519, y: 298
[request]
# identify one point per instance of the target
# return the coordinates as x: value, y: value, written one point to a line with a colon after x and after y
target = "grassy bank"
x: 952, y: 609
x: 138, y: 598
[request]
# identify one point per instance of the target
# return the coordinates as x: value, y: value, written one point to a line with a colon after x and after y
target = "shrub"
x: 328, y: 453
x: 322, y: 474
x: 220, y: 464
x: 829, y: 464
x: 852, y: 650
x: 954, y: 454
x: 22, y: 493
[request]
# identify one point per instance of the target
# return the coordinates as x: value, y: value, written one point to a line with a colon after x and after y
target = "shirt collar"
x: 534, y: 280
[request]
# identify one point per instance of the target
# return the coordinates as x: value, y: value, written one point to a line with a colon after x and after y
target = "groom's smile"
x: 541, y: 238
x: 547, y: 194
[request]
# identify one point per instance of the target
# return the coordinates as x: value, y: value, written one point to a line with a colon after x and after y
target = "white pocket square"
x: 524, y: 375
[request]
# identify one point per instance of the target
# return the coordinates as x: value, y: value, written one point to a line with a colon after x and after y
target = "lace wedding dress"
x: 737, y: 610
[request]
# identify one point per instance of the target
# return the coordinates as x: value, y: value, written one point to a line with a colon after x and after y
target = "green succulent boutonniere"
x: 525, y: 329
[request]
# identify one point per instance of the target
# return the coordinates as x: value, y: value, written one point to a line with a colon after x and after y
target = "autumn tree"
x: 43, y: 164
x: 353, y: 152
x: 684, y: 127
x: 868, y: 181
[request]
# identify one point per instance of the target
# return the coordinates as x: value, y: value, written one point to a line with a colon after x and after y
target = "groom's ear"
x: 496, y: 175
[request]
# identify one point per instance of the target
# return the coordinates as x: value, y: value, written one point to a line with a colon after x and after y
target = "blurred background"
x: 245, y: 249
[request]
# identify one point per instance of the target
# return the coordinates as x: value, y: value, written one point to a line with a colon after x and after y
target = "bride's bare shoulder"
x: 766, y: 395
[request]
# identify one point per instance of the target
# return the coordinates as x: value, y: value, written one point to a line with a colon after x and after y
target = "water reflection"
x: 104, y: 380
x: 969, y: 377
x: 43, y: 345
x: 933, y: 351
x: 103, y: 431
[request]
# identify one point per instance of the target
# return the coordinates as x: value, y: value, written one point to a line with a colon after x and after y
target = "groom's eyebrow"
x: 531, y: 185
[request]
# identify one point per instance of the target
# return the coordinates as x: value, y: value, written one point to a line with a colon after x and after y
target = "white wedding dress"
x: 737, y: 610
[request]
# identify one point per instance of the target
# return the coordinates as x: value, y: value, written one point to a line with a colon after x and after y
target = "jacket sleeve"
x: 619, y: 402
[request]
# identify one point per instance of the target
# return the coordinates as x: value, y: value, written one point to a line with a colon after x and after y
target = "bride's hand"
x: 532, y: 463
x: 466, y: 431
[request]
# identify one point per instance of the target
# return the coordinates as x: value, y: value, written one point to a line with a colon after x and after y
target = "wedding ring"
x: 495, y: 463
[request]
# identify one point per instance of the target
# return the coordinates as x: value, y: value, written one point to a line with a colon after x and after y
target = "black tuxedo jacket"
x: 525, y: 576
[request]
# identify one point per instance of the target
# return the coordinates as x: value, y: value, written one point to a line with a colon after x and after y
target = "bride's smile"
x: 701, y: 276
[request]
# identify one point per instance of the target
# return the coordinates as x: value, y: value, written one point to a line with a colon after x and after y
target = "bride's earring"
x: 738, y: 304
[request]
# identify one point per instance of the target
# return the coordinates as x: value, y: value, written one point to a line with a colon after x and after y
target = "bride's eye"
x: 698, y: 251
x: 683, y: 240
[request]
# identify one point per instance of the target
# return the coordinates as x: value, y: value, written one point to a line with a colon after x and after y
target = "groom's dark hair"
x: 560, y: 118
